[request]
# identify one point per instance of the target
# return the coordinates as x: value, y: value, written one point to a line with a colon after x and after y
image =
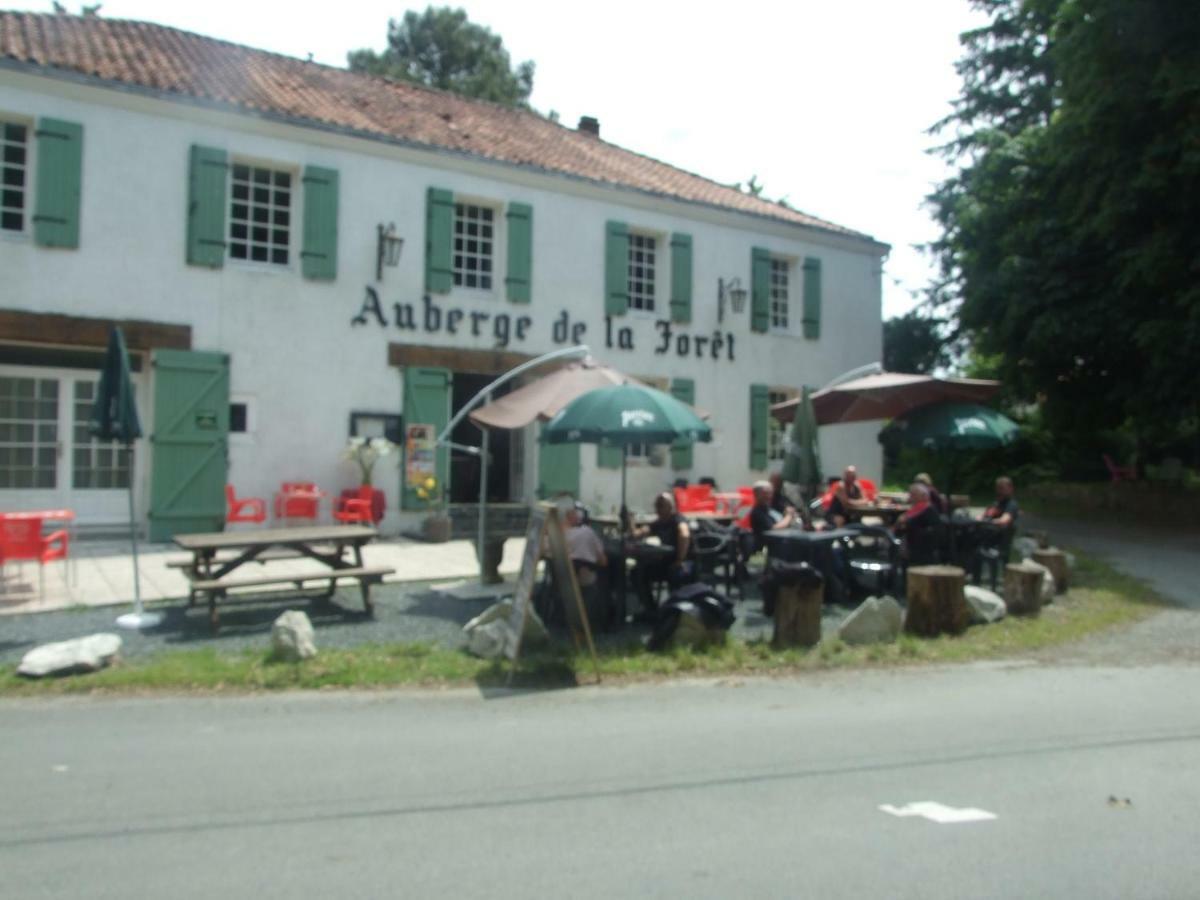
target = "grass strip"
x: 1100, y: 598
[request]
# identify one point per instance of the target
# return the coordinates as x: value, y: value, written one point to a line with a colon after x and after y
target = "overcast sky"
x: 826, y: 103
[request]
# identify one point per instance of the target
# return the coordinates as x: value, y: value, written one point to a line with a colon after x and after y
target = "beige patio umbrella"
x: 544, y: 397
x: 886, y: 395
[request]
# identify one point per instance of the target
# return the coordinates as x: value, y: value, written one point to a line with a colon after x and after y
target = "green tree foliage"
x: 915, y: 343
x: 442, y: 48
x: 1069, y: 247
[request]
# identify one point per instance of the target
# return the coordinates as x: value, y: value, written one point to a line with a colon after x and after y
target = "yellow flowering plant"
x: 430, y: 493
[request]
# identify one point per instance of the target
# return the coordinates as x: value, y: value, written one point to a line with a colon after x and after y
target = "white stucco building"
x: 225, y: 204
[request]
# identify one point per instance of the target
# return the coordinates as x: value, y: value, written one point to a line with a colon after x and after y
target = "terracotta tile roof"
x: 171, y: 61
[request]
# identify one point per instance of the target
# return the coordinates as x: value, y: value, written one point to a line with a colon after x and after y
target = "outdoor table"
x: 336, y: 547
x: 889, y: 512
x: 67, y: 517
x: 813, y: 547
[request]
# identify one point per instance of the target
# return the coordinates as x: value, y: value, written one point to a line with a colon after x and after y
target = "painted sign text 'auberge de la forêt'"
x: 504, y: 328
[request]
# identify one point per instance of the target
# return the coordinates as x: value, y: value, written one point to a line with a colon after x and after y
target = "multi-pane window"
x: 642, y: 253
x: 14, y: 168
x: 779, y: 292
x: 28, y: 432
x: 776, y: 430
x: 474, y: 245
x: 260, y: 214
x: 95, y: 464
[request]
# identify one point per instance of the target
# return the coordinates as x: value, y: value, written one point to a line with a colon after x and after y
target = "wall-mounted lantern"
x: 388, y: 252
x: 730, y: 289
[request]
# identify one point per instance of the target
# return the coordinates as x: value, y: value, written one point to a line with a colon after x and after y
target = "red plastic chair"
x: 870, y: 492
x: 1119, y: 473
x: 244, y: 509
x: 695, y: 498
x: 298, y: 500
x: 747, y: 502
x: 22, y: 539
x: 355, y: 510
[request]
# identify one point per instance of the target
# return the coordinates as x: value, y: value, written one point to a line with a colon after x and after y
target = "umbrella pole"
x: 624, y: 507
x: 483, y: 485
x: 139, y: 618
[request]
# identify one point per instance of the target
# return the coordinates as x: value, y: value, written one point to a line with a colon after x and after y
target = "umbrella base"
x: 137, y: 620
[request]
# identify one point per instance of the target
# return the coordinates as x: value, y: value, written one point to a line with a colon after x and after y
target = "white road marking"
x: 938, y: 812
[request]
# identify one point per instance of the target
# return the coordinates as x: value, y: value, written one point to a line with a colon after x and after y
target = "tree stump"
x: 1056, y: 561
x: 798, y: 615
x: 1023, y: 589
x: 936, y: 604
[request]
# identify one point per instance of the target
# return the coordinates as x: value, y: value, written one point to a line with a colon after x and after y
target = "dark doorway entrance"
x: 465, y: 467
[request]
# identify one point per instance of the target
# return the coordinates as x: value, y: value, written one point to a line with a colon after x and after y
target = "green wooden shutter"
x: 812, y: 297
x: 760, y: 412
x: 318, y: 259
x: 188, y: 455
x: 609, y: 457
x: 518, y: 282
x: 616, y: 268
x: 59, y: 179
x: 681, y: 451
x: 207, y: 177
x: 558, y: 470
x: 760, y: 289
x: 681, y: 278
x: 427, y: 402
x: 439, y: 240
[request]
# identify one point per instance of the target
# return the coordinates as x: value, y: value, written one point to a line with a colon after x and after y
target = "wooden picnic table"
x: 216, y: 555
x: 889, y: 512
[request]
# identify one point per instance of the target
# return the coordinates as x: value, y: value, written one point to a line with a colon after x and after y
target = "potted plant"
x: 436, y: 527
x: 365, y: 453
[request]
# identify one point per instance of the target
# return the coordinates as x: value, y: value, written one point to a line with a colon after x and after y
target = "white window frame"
x: 28, y: 185
x: 294, y: 222
x: 779, y: 289
x: 776, y: 430
x: 636, y: 237
x: 459, y: 275
x: 648, y: 454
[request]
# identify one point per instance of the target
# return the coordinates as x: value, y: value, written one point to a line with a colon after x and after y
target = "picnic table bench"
x: 217, y: 555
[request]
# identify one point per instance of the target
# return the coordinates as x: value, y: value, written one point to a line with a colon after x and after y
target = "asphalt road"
x: 757, y: 788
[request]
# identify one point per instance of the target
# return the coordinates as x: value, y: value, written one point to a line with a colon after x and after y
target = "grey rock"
x: 876, y: 620
x: 1023, y: 547
x: 292, y: 637
x: 984, y: 606
x: 85, y: 654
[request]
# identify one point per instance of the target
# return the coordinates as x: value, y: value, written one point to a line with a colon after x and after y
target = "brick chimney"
x: 589, y: 125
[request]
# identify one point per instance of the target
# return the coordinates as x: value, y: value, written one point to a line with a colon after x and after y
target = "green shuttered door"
x: 760, y: 289
x: 681, y: 278
x: 188, y: 448
x: 319, y: 256
x: 439, y: 240
x: 519, y: 280
x: 760, y: 411
x: 207, y: 176
x: 681, y: 451
x: 427, y: 402
x: 812, y: 298
x: 59, y: 180
x: 616, y: 268
x: 558, y: 470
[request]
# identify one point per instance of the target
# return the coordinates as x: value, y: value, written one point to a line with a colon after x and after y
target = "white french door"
x: 48, y: 459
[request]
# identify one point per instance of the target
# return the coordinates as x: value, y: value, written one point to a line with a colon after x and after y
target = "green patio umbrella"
x: 802, y: 462
x: 115, y: 418
x: 951, y: 426
x: 624, y: 414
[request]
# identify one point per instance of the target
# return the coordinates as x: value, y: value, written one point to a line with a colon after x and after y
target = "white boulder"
x: 876, y: 620
x: 984, y: 606
x: 493, y: 634
x: 85, y: 654
x: 1048, y: 589
x: 292, y: 637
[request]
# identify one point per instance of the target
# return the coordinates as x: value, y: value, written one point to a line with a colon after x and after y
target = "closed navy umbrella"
x: 115, y: 418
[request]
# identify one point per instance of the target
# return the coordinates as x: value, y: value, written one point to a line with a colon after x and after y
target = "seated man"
x: 671, y: 530
x: 584, y: 547
x: 921, y: 526
x: 765, y: 516
x: 939, y: 501
x: 847, y: 496
x: 996, y: 546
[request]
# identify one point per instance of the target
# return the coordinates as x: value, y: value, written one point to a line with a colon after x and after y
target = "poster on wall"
x: 420, y: 459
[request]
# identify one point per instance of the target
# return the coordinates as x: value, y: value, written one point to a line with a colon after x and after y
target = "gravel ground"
x: 410, y: 612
